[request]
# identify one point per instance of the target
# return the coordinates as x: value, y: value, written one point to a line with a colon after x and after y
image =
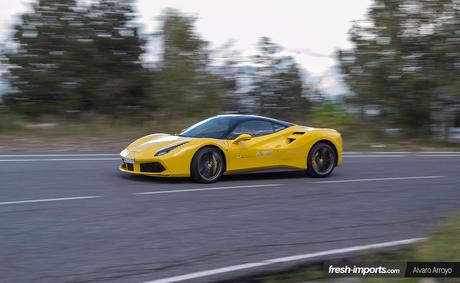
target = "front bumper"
x: 173, y: 164
x: 150, y: 168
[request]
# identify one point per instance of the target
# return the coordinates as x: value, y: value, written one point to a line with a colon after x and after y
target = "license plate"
x: 128, y: 160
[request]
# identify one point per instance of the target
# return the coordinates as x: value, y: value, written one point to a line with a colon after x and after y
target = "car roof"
x: 241, y: 118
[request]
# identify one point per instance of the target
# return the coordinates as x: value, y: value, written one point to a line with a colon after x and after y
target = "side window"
x: 278, y: 127
x: 255, y: 128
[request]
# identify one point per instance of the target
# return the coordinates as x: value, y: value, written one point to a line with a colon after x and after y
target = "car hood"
x: 152, y: 144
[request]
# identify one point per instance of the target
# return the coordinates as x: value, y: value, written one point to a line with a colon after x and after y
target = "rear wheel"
x: 321, y: 160
x: 207, y: 165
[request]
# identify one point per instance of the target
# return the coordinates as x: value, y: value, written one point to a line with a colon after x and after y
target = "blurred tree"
x: 73, y: 59
x: 36, y: 72
x: 404, y: 57
x: 116, y: 83
x: 186, y: 83
x: 331, y: 114
x: 440, y: 20
x: 278, y: 85
x: 227, y: 67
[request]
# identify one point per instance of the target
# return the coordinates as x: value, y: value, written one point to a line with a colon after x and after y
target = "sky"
x: 317, y: 26
x: 309, y: 30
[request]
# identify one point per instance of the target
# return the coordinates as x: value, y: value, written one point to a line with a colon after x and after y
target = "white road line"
x: 216, y: 271
x: 208, y: 189
x: 116, y: 154
x: 377, y: 179
x: 347, y: 153
x: 377, y: 152
x: 47, y: 200
x: 58, y: 155
x: 376, y: 155
x: 115, y: 158
x: 438, y: 152
x: 438, y: 155
x: 400, y: 152
x: 57, y: 159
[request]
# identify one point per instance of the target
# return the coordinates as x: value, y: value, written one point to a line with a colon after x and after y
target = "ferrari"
x: 228, y: 144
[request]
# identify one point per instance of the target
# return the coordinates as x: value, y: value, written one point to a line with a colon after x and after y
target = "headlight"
x: 168, y: 149
x: 124, y: 153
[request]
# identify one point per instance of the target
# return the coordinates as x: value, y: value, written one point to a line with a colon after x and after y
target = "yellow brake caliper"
x: 214, y: 169
x: 315, y: 165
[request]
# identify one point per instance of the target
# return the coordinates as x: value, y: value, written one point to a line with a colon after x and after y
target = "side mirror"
x: 242, y: 137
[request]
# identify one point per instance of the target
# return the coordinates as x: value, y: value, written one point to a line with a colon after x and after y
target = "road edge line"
x: 378, y: 179
x: 208, y: 189
x: 249, y: 265
x: 47, y: 200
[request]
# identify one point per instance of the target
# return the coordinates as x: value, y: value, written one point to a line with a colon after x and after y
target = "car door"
x: 259, y: 152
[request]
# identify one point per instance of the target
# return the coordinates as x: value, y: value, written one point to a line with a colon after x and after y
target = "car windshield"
x: 215, y: 128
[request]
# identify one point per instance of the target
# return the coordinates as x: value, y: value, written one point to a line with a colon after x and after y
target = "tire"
x: 321, y: 160
x: 207, y: 165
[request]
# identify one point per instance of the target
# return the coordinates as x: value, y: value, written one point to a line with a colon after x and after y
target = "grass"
x: 101, y: 133
x: 10, y: 123
x: 96, y: 133
x: 442, y: 245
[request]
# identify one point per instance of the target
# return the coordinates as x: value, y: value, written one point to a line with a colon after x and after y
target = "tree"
x: 399, y: 63
x: 441, y: 63
x: 116, y: 81
x: 185, y: 83
x: 36, y: 70
x: 71, y: 58
x: 278, y: 85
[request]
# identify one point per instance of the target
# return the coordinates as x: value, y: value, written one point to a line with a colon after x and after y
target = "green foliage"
x: 9, y: 122
x: 77, y: 61
x: 115, y: 81
x: 331, y: 114
x: 406, y: 62
x: 278, y: 87
x: 185, y: 84
x: 302, y: 275
x: 72, y: 58
x: 442, y: 245
x: 36, y: 69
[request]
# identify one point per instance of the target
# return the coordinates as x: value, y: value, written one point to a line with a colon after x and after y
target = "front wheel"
x: 321, y: 160
x: 207, y: 165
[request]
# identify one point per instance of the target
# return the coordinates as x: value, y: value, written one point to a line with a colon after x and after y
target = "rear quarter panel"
x: 296, y: 151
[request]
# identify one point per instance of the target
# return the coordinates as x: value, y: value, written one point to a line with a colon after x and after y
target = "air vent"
x: 298, y: 133
x: 153, y: 167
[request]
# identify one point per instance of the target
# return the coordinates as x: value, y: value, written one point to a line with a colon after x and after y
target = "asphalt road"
x: 75, y: 218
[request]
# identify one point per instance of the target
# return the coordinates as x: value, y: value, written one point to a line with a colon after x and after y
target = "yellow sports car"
x: 227, y: 144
